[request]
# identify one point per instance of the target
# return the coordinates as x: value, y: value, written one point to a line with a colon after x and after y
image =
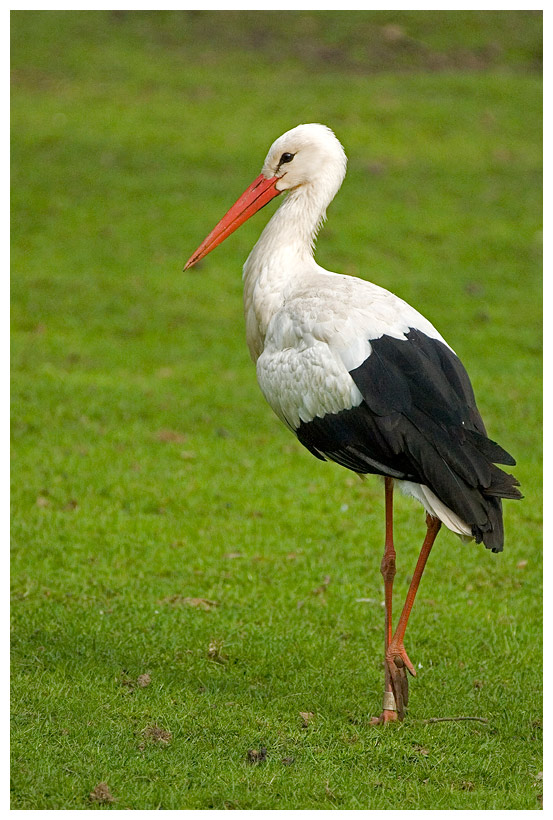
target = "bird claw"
x: 397, y: 658
x: 387, y: 716
x: 398, y: 664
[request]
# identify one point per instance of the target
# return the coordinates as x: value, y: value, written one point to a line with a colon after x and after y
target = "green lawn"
x: 148, y: 472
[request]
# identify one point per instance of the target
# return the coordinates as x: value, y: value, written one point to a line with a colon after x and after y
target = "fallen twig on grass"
x: 443, y: 719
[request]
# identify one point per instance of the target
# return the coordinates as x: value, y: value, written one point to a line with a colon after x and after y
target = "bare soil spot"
x: 215, y: 652
x: 306, y: 718
x: 256, y: 755
x: 140, y: 682
x: 157, y: 735
x: 101, y: 794
x: 323, y: 586
x: 198, y: 603
x: 170, y: 435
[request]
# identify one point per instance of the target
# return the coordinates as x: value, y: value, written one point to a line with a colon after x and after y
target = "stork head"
x: 308, y: 156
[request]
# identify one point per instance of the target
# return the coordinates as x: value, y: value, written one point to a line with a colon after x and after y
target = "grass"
x: 147, y: 471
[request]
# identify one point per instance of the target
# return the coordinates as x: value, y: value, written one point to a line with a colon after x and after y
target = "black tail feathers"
x: 503, y: 485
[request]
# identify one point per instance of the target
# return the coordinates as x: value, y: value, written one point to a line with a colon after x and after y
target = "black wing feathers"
x: 419, y: 421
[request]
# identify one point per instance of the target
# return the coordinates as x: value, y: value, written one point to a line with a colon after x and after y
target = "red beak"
x: 258, y: 194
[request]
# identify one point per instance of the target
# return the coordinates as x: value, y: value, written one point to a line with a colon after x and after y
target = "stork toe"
x: 387, y: 716
x: 398, y: 664
x: 397, y: 658
x: 400, y: 687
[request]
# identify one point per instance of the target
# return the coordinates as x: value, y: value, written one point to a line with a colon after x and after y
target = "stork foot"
x: 397, y: 658
x: 387, y: 716
x: 398, y: 664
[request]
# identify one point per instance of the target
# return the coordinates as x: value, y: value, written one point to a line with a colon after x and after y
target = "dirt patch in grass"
x: 198, y: 603
x: 101, y: 794
x: 156, y: 734
x: 306, y: 718
x: 256, y: 755
x: 141, y: 682
x: 170, y: 435
x: 215, y: 652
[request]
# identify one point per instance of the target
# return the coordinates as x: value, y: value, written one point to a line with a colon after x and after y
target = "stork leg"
x: 388, y: 570
x: 397, y: 659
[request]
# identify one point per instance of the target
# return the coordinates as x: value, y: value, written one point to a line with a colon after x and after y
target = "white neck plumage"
x: 282, y: 253
x: 291, y: 232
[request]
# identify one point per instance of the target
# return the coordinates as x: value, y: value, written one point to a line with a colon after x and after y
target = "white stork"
x: 361, y: 377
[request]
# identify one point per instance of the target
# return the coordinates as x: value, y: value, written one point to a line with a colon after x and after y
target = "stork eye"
x: 286, y: 158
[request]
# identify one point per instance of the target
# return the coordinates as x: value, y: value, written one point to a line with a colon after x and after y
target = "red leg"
x: 396, y: 656
x: 388, y: 570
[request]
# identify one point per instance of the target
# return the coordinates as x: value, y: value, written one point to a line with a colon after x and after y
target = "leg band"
x: 389, y: 702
